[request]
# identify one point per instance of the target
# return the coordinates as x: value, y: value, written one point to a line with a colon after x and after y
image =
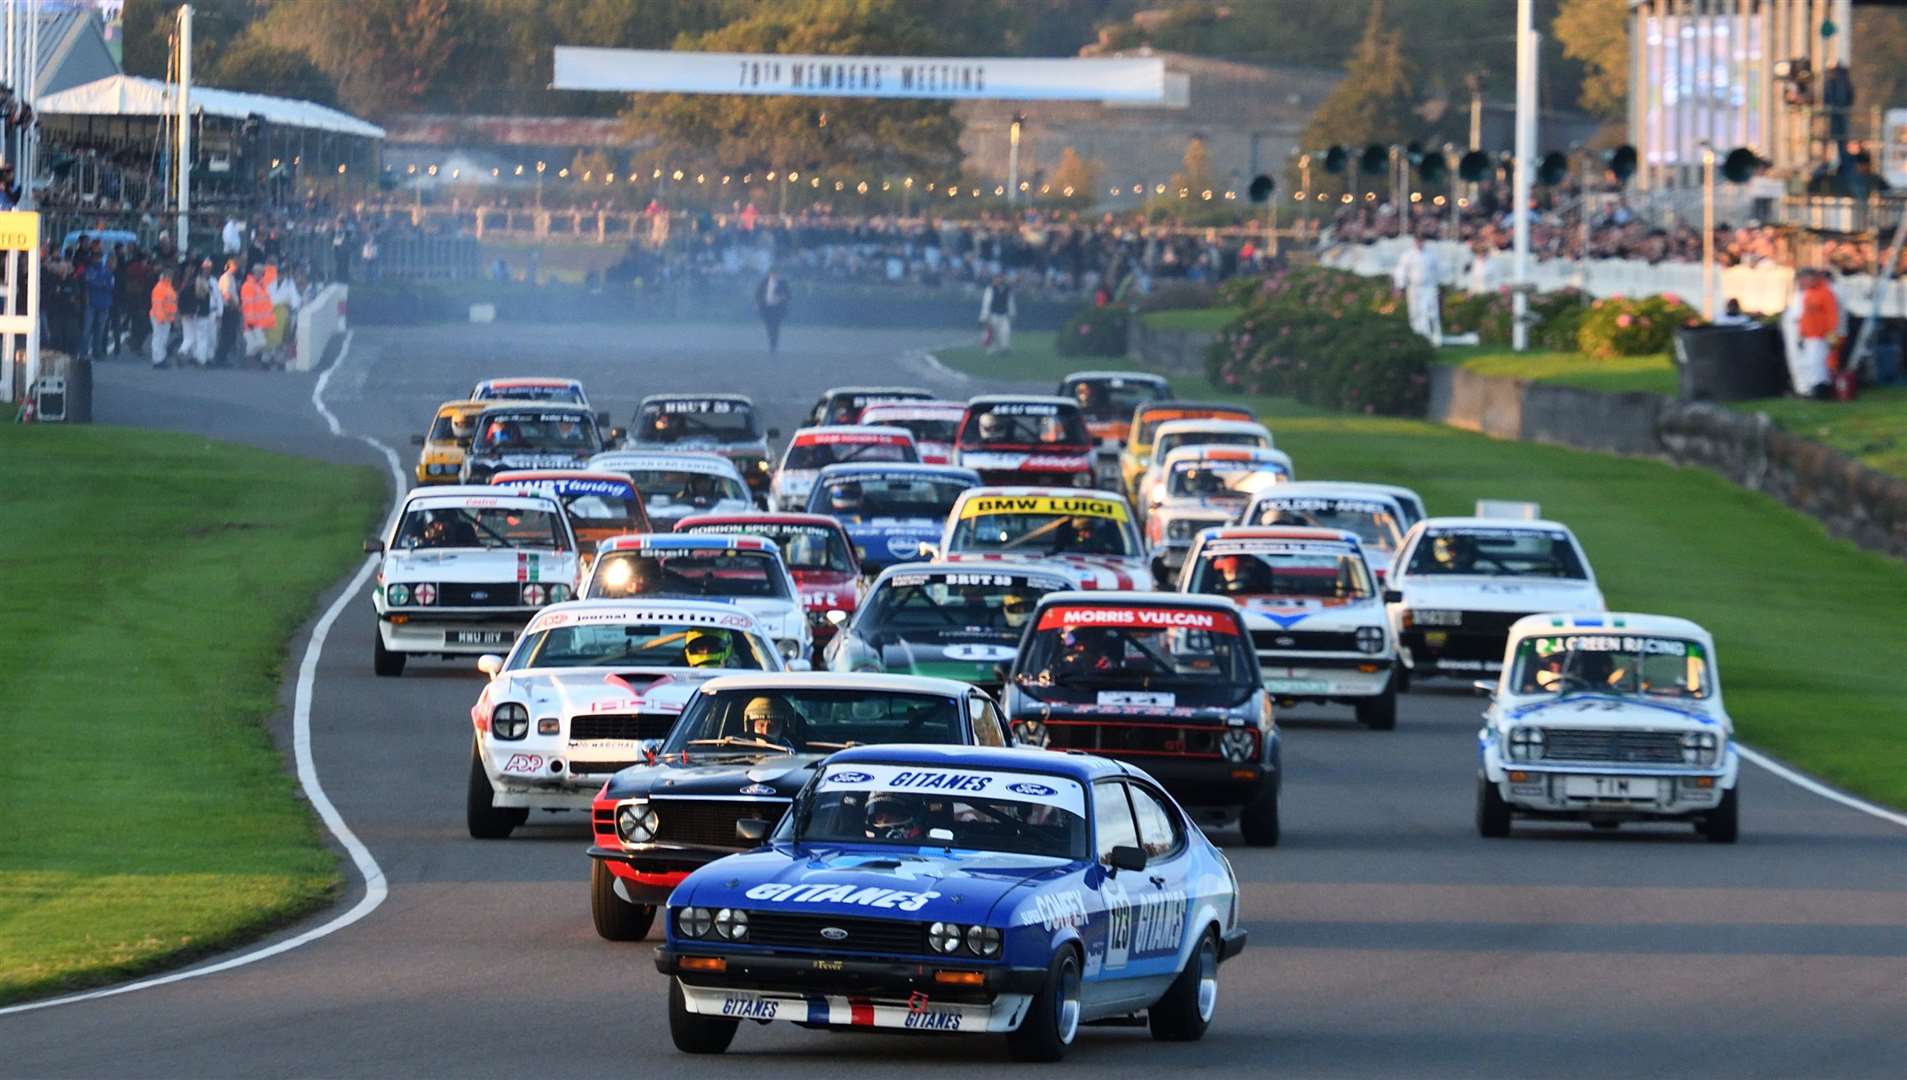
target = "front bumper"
x: 1292, y: 677
x: 821, y: 991
x: 481, y: 630
x: 1581, y: 792
x: 650, y: 873
x: 546, y: 778
x: 1201, y: 784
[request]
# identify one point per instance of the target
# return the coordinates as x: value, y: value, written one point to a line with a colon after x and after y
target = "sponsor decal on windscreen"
x: 1077, y: 506
x: 1139, y: 618
x: 983, y: 783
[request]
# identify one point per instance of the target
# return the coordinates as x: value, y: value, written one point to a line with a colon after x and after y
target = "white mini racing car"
x: 746, y: 571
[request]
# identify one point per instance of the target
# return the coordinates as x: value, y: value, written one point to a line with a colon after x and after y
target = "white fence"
x: 1761, y: 289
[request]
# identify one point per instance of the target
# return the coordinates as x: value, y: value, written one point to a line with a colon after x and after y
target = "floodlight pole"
x: 1525, y: 161
x: 184, y: 237
x: 1013, y: 159
x: 1708, y: 232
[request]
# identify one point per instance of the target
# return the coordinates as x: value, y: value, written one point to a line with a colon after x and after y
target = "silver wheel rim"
x: 1207, y: 981
x: 1067, y: 1007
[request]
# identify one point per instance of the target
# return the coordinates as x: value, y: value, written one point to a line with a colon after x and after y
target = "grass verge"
x: 152, y: 583
x: 1033, y: 359
x: 1871, y: 429
x: 1655, y: 374
x: 1785, y: 602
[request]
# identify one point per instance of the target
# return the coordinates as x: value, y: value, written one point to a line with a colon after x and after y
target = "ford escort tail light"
x: 509, y: 721
x: 714, y: 964
x: 397, y: 595
x: 732, y: 924
x: 695, y: 922
x: 535, y: 594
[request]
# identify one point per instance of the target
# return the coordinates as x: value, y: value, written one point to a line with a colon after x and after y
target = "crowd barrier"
x: 321, y: 319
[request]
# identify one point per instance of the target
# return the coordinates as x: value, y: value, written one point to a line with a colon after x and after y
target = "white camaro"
x: 1608, y: 717
x: 589, y: 689
x: 464, y: 568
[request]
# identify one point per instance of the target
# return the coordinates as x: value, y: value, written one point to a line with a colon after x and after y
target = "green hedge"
x: 1620, y: 326
x: 1326, y: 337
x: 1093, y: 331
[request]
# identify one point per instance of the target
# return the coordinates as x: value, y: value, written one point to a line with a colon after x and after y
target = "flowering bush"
x: 1485, y: 314
x: 1093, y: 331
x: 1327, y: 338
x: 1620, y: 326
x: 1559, y: 318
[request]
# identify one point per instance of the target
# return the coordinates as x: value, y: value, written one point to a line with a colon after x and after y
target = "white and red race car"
x: 589, y: 689
x: 1026, y: 439
x: 1089, y: 535
x: 815, y: 448
x: 934, y: 425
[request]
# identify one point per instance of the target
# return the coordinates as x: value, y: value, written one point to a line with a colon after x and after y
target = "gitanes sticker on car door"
x: 1143, y: 924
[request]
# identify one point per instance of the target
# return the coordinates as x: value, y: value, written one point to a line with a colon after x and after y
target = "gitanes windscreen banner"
x: 1138, y: 80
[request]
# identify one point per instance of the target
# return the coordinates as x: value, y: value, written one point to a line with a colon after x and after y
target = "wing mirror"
x: 1127, y: 857
x: 602, y: 419
x: 1393, y: 596
x: 374, y: 546
x: 1484, y: 688
x: 417, y: 440
x: 490, y: 664
x: 616, y: 434
x: 929, y: 551
x: 753, y: 830
x: 837, y: 617
x: 774, y: 433
x: 797, y: 665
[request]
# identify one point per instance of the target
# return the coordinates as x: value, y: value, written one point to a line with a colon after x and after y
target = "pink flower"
x: 1624, y: 320
x: 1085, y: 328
x: 1671, y: 298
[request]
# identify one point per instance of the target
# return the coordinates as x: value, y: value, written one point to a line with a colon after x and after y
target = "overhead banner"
x: 1139, y: 80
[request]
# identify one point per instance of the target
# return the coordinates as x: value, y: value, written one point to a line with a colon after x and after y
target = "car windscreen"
x: 868, y: 496
x: 480, y: 527
x: 794, y: 720
x: 646, y: 644
x: 1315, y: 572
x: 820, y: 453
x: 1140, y: 655
x: 1042, y: 532
x: 923, y: 430
x: 534, y: 392
x: 943, y: 807
x: 597, y: 511
x: 1110, y: 399
x: 453, y: 427
x: 1028, y: 423
x: 1220, y: 479
x: 1150, y: 421
x: 1532, y: 553
x: 846, y: 408
x: 952, y: 604
x: 688, y: 419
x: 715, y: 572
x: 682, y: 488
x: 553, y: 432
x: 803, y: 547
x: 1373, y: 522
x: 1612, y: 663
x: 1174, y: 440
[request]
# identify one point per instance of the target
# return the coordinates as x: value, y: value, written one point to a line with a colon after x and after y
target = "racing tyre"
x: 1379, y: 713
x: 1493, y: 814
x: 1053, y: 1018
x: 1724, y: 825
x: 693, y: 1033
x: 616, y: 919
x: 1259, y: 819
x: 1401, y: 680
x: 486, y: 819
x: 1185, y: 1011
x: 383, y: 661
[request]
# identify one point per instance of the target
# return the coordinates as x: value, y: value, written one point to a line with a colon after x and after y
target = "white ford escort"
x: 464, y: 568
x: 591, y: 687
x: 1607, y: 717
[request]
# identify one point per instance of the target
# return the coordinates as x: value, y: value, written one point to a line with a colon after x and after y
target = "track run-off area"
x: 1387, y: 938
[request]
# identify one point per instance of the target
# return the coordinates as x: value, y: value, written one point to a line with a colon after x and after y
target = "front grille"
x: 778, y: 929
x: 1117, y: 739
x: 1613, y: 747
x: 593, y: 768
x: 464, y: 594
x: 711, y: 822
x: 1304, y: 640
x: 652, y: 725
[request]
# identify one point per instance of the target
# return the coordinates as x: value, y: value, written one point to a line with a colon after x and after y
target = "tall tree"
x: 1596, y: 32
x: 394, y: 56
x: 1374, y: 102
x: 1074, y: 178
x: 259, y: 68
x: 1195, y: 170
x: 146, y: 28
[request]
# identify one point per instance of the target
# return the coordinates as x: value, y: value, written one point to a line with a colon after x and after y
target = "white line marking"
x: 1806, y: 783
x: 375, y: 888
x: 926, y: 358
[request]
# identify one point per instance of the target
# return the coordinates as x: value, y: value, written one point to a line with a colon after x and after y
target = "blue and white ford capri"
x: 959, y: 889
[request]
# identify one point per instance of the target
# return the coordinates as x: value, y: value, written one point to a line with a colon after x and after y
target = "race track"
x: 1387, y: 939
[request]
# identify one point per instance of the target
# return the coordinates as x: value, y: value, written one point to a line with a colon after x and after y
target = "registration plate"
x: 1624, y: 788
x: 479, y: 637
x: 1297, y: 686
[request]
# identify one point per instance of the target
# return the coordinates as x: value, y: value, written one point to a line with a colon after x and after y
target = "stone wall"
x: 1853, y: 501
x: 1169, y: 352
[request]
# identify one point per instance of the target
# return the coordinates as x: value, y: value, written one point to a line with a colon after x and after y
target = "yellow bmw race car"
x: 442, y: 456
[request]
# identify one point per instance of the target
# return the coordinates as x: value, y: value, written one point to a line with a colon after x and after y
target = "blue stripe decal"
x: 817, y: 1010
x: 1638, y: 702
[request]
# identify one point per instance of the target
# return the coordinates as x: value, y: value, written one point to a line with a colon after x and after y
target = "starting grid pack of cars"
x: 921, y: 725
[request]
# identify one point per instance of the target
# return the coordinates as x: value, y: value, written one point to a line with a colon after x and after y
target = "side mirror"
x: 774, y: 433
x: 417, y: 440
x: 1127, y: 857
x: 837, y: 617
x: 602, y: 419
x: 945, y: 836
x: 1393, y: 596
x: 1000, y: 673
x: 753, y: 830
x: 374, y: 546
x: 616, y: 434
x: 798, y: 665
x: 1484, y: 687
x: 490, y: 664
x: 929, y: 551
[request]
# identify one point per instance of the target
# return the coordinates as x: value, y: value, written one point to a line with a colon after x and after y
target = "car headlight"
x: 1180, y: 529
x: 1084, y: 480
x: 534, y: 594
x: 1237, y: 744
x: 694, y: 922
x: 1031, y: 733
x: 397, y: 595
x: 732, y: 924
x: 1701, y: 748
x: 559, y: 593
x: 983, y: 941
x: 789, y: 647
x: 945, y: 938
x: 636, y: 822
x: 509, y: 721
x: 1526, y: 743
x: 424, y: 593
x: 1370, y: 639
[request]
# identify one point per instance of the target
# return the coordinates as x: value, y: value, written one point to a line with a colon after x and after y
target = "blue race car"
x: 958, y: 889
x: 889, y: 510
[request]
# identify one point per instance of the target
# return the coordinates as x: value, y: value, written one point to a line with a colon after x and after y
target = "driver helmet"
x: 892, y: 816
x: 1052, y: 430
x: 766, y: 718
x: 1017, y: 607
x: 1084, y: 528
x: 708, y: 648
x: 436, y: 533
x: 1090, y: 646
x: 665, y: 423
x: 992, y: 428
x: 1084, y: 392
x: 1454, y: 552
x: 1597, y: 669
x: 845, y: 498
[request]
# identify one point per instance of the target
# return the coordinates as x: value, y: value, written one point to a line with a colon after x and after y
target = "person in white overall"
x: 1418, y: 275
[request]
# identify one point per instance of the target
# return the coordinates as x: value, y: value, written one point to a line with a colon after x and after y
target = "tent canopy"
x: 128, y: 95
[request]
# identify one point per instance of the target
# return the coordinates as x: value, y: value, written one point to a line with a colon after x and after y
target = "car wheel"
x: 1379, y: 713
x: 1493, y: 814
x: 1401, y: 680
x: 1053, y: 1018
x: 487, y: 820
x: 616, y: 919
x: 1724, y: 825
x: 694, y: 1033
x: 1186, y: 1010
x: 1259, y: 819
x: 383, y: 661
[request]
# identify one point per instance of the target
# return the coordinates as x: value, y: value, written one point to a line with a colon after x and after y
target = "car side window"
x: 1113, y: 815
x: 1159, y: 832
x: 986, y: 722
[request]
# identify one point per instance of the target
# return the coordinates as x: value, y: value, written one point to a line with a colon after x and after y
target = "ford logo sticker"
x: 758, y: 789
x: 1032, y: 789
x: 848, y: 778
x: 834, y: 933
x: 1284, y: 640
x: 479, y: 594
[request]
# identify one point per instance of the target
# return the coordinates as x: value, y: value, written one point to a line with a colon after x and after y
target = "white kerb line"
x: 1810, y: 784
x: 375, y: 888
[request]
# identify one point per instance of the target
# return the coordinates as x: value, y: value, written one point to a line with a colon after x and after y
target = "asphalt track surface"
x: 1387, y: 939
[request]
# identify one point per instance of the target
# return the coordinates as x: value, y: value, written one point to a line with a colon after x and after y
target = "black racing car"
x: 951, y: 620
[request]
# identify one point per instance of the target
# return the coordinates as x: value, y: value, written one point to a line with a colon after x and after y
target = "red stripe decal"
x: 862, y: 1011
